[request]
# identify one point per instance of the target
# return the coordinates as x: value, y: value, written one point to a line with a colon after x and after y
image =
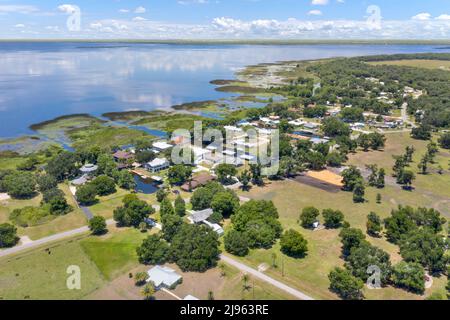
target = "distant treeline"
x: 412, y: 56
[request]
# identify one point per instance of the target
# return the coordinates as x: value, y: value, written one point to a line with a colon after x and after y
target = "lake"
x: 40, y: 81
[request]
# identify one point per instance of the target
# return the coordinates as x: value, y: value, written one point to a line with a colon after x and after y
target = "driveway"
x: 294, y: 292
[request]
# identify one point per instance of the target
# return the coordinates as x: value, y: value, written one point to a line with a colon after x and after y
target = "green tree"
x: 374, y: 225
x: 226, y: 203
x: 195, y: 248
x: 333, y: 127
x: 140, y: 278
x: 343, y: 283
x: 57, y: 201
x: 180, y: 206
x: 309, y: 216
x: 425, y: 247
x: 259, y: 220
x: 202, y: 197
x: 153, y: 250
x: 132, y: 212
x: 333, y: 218
x: 8, y: 235
x: 444, y: 140
x: 97, y: 225
x: 179, y: 174
x: 423, y: 164
x: 104, y: 185
x: 245, y: 179
x: 161, y: 194
x: 63, y: 166
x: 381, y: 179
x: 166, y: 208
x: 46, y: 182
x: 351, y: 177
x: 20, y: 185
x: 293, y: 244
x: 148, y: 291
x: 406, y: 178
x: 359, y: 193
x: 409, y: 276
x: 351, y: 238
x: 225, y: 173
x: 86, y: 194
x: 125, y: 180
x: 366, y: 255
x: 171, y: 223
x: 236, y: 243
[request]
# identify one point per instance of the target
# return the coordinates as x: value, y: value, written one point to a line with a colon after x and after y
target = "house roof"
x: 200, y: 216
x: 122, y: 155
x: 197, y: 181
x: 79, y: 181
x: 161, y: 145
x: 160, y: 275
x: 158, y: 162
x: 87, y: 168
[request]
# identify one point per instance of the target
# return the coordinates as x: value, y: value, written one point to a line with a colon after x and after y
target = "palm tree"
x: 245, y: 279
x: 222, y: 270
x: 148, y: 291
x: 211, y: 295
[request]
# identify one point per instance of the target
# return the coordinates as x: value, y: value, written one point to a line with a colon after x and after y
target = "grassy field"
x: 170, y: 122
x: 311, y: 273
x: 290, y: 197
x: 427, y: 64
x: 41, y: 273
x: 114, y: 253
x: 432, y: 190
x: 72, y: 220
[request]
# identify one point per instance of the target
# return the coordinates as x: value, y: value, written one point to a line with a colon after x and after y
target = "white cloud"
x: 319, y: 2
x: 315, y: 13
x: 422, y: 16
x: 19, y: 25
x: 139, y: 19
x: 52, y: 28
x: 68, y: 8
x: 140, y: 10
x: 23, y: 9
x: 443, y: 17
x: 124, y: 10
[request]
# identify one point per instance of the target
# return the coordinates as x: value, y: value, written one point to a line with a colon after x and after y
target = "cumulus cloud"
x: 68, y: 8
x: 140, y: 10
x: 315, y: 13
x: 23, y: 9
x: 422, y: 16
x: 443, y: 17
x: 319, y: 2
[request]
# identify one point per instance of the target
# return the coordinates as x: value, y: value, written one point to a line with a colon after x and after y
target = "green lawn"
x: 41, y: 273
x: 417, y: 63
x: 311, y: 273
x: 72, y: 220
x: 114, y: 253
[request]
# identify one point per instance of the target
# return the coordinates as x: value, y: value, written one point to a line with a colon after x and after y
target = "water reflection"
x: 39, y: 81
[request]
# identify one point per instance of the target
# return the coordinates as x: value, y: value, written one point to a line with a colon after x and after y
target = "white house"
x: 200, y: 216
x: 163, y: 277
x: 161, y: 146
x: 157, y: 165
x: 217, y: 228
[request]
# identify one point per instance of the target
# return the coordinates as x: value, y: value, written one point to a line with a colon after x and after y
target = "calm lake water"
x: 39, y: 81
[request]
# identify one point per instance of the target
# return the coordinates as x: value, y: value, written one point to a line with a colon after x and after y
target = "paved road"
x: 42, y: 241
x: 262, y: 276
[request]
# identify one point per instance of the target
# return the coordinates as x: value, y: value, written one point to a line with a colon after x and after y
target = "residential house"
x: 161, y: 146
x: 163, y: 277
x: 197, y: 217
x: 198, y: 181
x: 157, y: 165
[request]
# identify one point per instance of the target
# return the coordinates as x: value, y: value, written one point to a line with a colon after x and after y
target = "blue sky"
x: 230, y: 19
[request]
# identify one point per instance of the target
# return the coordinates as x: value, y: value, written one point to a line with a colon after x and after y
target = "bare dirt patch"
x: 313, y: 182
